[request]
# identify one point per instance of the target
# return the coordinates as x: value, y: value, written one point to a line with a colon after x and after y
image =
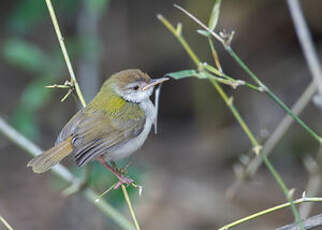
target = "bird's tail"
x: 51, y: 157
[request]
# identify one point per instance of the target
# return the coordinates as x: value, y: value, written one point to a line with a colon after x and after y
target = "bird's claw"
x: 123, y: 180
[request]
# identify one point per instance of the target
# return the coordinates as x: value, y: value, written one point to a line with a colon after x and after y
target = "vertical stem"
x: 257, y: 146
x: 226, y: 44
x: 229, y: 102
x: 214, y: 54
x: 313, y: 62
x: 5, y: 223
x: 64, y: 50
x: 78, y: 91
x: 306, y: 42
x: 272, y: 95
x: 127, y: 198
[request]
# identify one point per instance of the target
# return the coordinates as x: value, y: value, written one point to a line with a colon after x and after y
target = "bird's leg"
x: 121, y: 177
x: 122, y: 171
x: 115, y: 167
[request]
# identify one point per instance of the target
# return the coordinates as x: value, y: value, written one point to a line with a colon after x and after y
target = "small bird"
x: 111, y: 127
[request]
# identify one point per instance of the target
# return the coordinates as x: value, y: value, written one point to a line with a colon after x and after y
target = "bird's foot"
x: 123, y: 180
x: 119, y: 173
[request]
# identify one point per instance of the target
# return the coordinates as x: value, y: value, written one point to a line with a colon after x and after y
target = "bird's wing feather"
x: 96, y: 134
x: 70, y: 127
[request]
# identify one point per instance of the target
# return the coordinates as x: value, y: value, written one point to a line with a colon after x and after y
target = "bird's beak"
x: 155, y: 82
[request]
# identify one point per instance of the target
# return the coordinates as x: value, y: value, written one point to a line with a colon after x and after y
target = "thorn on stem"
x: 257, y: 149
x: 230, y: 101
x: 179, y: 29
x: 138, y: 187
x: 291, y: 193
x: 237, y: 83
x: 66, y: 95
x: 227, y: 37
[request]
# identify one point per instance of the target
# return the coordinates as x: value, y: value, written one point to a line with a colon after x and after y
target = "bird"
x: 111, y: 127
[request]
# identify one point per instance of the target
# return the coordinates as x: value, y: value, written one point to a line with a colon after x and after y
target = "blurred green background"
x: 185, y: 169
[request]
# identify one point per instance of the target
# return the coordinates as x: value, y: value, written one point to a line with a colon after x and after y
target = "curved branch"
x: 65, y: 174
x: 309, y: 223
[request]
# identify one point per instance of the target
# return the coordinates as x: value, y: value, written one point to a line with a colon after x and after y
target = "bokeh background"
x: 187, y: 168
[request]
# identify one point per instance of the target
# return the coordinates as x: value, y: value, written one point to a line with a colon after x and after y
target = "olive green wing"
x: 97, y: 134
x: 70, y: 127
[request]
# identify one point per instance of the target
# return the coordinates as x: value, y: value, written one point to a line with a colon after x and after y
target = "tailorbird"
x: 111, y: 127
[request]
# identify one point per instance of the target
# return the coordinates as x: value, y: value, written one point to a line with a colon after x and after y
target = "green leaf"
x: 202, y: 75
x: 25, y: 55
x: 204, y: 33
x: 25, y: 14
x: 26, y: 122
x: 214, y: 15
x: 28, y: 13
x: 35, y: 95
x: 183, y: 74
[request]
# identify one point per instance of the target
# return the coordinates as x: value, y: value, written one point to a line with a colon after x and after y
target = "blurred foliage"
x: 43, y: 65
x: 26, y: 55
x: 27, y: 14
x: 30, y: 58
x: 98, y: 6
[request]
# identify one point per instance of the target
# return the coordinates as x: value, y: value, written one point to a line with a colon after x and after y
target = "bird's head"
x: 133, y: 85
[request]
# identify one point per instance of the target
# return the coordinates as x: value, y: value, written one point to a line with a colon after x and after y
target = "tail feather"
x: 51, y: 157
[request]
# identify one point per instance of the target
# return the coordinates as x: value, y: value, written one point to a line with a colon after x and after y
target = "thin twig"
x: 270, y: 210
x: 306, y: 42
x: 213, y: 70
x: 274, y: 97
x: 129, y: 204
x: 229, y: 102
x: 65, y: 174
x: 313, y: 184
x: 275, y: 137
x: 310, y: 223
x: 64, y: 50
x: 313, y: 62
x: 66, y: 57
x: 253, y: 76
x: 5, y: 223
x: 200, y: 23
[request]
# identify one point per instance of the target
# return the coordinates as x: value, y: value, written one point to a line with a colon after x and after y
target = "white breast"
x: 135, y: 143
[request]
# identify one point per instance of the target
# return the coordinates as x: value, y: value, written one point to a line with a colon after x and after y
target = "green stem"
x: 77, y: 88
x: 257, y: 148
x: 214, y: 54
x: 252, y: 75
x: 129, y: 204
x: 272, y: 95
x: 215, y: 71
x: 185, y: 45
x: 270, y: 210
x: 64, y: 51
x: 5, y: 223
x: 229, y: 102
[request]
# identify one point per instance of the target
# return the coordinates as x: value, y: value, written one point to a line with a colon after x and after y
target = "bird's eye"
x: 136, y: 87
